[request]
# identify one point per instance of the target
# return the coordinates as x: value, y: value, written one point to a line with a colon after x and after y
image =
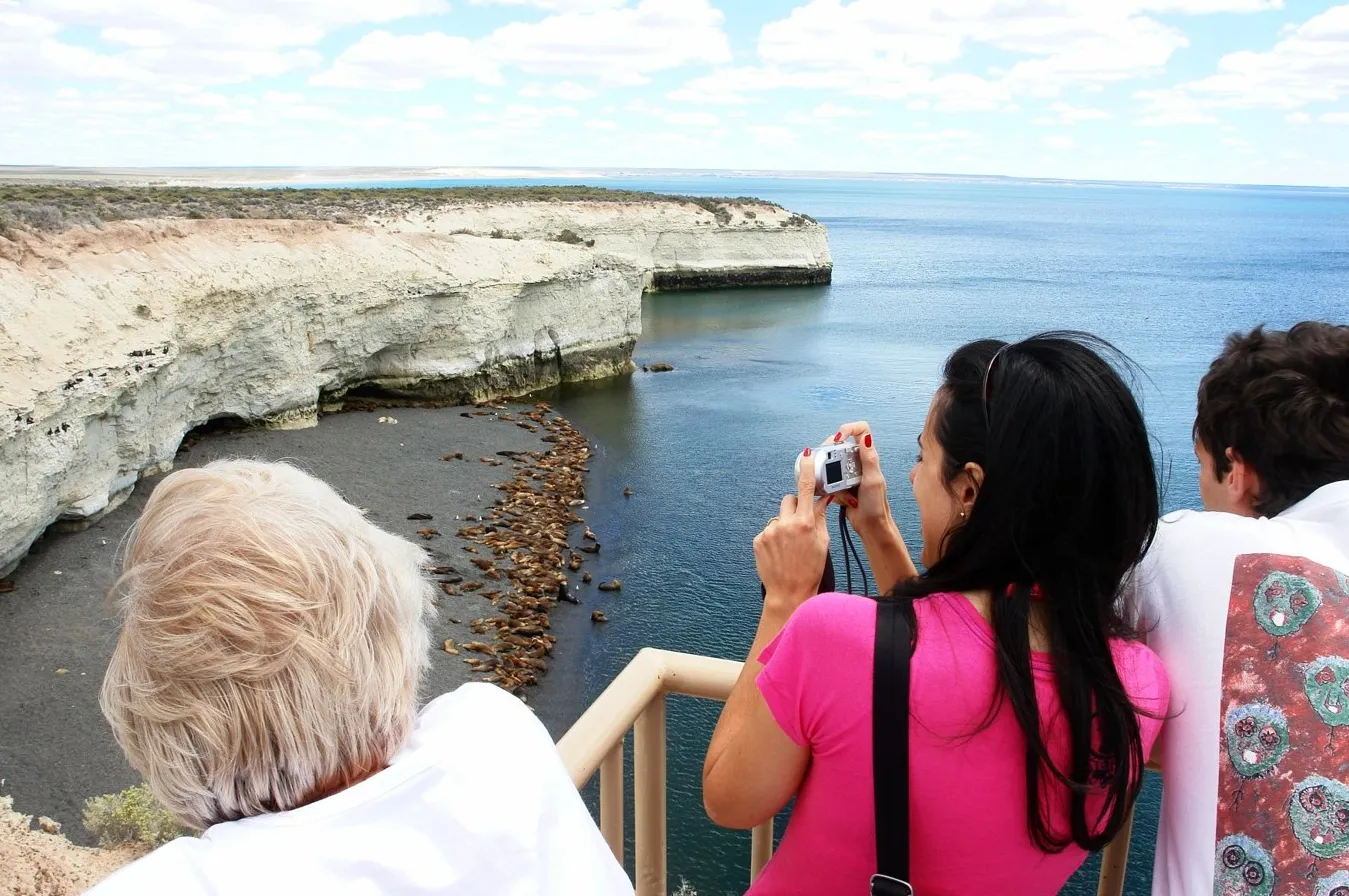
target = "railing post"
x: 760, y: 848
x: 648, y: 772
x: 611, y: 800
x: 1115, y: 860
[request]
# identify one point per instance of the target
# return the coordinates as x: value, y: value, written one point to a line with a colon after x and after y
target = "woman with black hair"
x: 1031, y: 707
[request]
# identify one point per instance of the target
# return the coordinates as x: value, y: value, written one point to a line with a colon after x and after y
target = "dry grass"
x: 42, y: 208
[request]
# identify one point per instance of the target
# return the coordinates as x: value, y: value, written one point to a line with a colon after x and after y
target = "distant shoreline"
x: 300, y: 176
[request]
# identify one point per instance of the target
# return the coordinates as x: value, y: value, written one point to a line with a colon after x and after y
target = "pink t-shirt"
x: 968, y: 820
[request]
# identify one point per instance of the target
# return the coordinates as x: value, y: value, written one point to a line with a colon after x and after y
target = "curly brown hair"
x: 1280, y: 400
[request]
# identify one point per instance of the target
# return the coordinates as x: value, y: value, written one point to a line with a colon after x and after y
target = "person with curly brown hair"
x: 1247, y: 603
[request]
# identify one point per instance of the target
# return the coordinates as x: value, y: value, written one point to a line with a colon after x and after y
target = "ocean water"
x: 920, y: 267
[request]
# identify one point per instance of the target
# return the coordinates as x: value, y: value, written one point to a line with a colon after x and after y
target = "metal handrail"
x: 635, y: 700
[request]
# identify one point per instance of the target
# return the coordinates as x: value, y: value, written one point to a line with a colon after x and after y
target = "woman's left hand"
x: 790, y: 552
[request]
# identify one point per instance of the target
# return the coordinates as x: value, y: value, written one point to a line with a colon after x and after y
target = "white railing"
x: 636, y: 700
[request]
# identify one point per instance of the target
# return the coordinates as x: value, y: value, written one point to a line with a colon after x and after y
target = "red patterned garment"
x: 1248, y: 616
x: 1283, y: 800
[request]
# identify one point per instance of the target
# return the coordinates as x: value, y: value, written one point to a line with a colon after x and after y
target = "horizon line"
x: 480, y: 172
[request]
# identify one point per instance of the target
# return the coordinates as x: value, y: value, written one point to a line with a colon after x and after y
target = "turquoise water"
x: 920, y: 267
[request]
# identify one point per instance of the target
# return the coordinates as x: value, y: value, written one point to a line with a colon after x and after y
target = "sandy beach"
x: 56, y: 750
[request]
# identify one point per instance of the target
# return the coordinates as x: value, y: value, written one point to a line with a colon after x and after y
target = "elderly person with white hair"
x: 265, y: 684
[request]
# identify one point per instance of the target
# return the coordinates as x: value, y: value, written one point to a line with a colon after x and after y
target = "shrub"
x: 132, y: 816
x: 39, y: 207
x: 571, y: 238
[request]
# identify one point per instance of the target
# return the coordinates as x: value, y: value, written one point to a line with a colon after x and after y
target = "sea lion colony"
x: 526, y: 532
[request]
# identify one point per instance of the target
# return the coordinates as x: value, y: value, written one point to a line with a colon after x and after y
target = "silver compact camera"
x: 838, y: 466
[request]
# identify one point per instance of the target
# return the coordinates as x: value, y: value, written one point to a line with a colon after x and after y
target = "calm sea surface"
x: 920, y: 267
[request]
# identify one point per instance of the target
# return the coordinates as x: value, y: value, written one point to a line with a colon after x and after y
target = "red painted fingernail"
x: 806, y: 453
x: 866, y: 440
x: 838, y: 436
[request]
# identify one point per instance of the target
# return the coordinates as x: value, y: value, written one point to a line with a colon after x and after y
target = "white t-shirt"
x: 477, y: 802
x: 1251, y: 619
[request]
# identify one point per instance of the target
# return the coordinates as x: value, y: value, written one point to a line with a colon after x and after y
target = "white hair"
x: 273, y: 641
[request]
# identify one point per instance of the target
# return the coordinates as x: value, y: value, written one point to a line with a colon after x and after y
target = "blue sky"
x: 1253, y: 91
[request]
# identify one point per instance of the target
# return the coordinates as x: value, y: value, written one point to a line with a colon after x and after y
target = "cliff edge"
x: 121, y: 332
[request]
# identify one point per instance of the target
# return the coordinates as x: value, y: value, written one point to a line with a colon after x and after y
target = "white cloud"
x: 895, y: 50
x: 426, y: 112
x: 622, y: 46
x: 1335, y: 118
x: 179, y: 45
x: 772, y: 133
x: 1204, y: 7
x: 557, y: 5
x: 136, y: 37
x: 830, y: 110
x: 826, y: 114
x: 947, y: 137
x: 563, y: 90
x: 1310, y: 64
x: 520, y: 118
x: 693, y: 119
x: 964, y: 92
x: 1150, y: 144
x: 1059, y: 141
x: 1297, y: 118
x: 241, y: 23
x: 708, y: 92
x: 384, y: 61
x: 602, y: 124
x: 1168, y: 107
x: 646, y: 111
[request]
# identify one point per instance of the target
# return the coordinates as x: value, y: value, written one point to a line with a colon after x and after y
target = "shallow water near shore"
x: 919, y: 269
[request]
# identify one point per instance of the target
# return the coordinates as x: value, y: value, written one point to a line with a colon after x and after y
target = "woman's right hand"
x: 869, y: 513
x: 868, y: 510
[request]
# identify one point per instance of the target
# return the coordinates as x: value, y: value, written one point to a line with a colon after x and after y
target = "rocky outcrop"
x: 44, y: 863
x: 116, y: 341
x: 677, y: 246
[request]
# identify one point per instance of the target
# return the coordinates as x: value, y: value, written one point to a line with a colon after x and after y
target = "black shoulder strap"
x: 890, y: 750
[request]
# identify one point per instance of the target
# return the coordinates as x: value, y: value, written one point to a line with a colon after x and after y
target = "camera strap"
x: 851, y: 555
x: 890, y: 750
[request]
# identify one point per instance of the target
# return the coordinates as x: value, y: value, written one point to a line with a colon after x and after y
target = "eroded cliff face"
x: 115, y: 342
x: 677, y: 246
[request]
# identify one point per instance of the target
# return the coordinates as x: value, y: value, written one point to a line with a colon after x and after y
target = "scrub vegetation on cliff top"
x: 43, y: 208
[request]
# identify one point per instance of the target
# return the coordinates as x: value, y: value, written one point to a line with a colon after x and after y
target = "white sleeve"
x: 1140, y: 593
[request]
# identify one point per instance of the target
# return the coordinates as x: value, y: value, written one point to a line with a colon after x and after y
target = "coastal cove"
x: 179, y: 308
x: 706, y: 450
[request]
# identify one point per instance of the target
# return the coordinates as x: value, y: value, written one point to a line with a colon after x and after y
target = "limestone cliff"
x: 116, y: 341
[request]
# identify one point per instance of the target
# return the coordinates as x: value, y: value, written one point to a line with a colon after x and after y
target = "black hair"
x: 1068, y: 504
x: 1280, y: 400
